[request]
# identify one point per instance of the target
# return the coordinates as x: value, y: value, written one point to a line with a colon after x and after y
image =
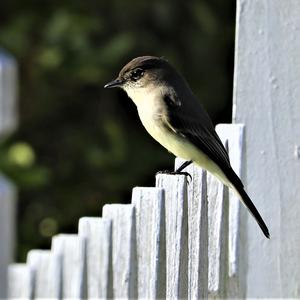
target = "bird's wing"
x: 194, y: 124
x: 189, y: 119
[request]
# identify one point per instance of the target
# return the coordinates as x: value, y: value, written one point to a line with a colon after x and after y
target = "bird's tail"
x: 249, y: 204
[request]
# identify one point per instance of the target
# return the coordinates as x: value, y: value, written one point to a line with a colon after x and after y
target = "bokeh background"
x: 79, y: 146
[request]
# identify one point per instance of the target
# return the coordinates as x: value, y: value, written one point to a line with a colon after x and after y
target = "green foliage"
x: 79, y: 146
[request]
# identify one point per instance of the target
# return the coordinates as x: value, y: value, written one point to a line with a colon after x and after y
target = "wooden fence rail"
x: 176, y: 240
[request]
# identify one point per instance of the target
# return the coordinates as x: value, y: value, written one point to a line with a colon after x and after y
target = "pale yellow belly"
x: 180, y: 146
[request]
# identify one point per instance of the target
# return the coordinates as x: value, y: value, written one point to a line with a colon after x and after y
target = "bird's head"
x: 141, y: 72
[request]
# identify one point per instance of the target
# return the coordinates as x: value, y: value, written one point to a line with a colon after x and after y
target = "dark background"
x: 79, y: 146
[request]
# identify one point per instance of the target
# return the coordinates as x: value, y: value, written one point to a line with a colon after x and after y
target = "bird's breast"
x: 154, y: 119
x: 154, y: 116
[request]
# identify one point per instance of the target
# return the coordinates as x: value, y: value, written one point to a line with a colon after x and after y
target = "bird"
x: 175, y: 118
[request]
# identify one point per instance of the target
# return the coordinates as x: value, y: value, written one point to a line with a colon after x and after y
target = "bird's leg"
x: 184, y: 165
x: 178, y: 170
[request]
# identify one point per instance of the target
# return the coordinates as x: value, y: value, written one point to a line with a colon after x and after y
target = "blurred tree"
x: 79, y: 146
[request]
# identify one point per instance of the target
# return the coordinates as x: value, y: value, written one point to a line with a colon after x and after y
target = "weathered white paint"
x: 45, y: 268
x: 72, y: 251
x: 20, y: 282
x: 123, y: 249
x: 176, y: 234
x: 267, y: 101
x: 233, y: 134
x: 54, y: 284
x: 198, y: 232
x: 8, y: 122
x: 150, y: 241
x: 217, y: 237
x: 98, y: 235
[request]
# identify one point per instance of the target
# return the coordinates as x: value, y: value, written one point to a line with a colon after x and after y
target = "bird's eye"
x: 136, y: 74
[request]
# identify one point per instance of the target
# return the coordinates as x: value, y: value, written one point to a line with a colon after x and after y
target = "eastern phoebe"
x: 173, y: 116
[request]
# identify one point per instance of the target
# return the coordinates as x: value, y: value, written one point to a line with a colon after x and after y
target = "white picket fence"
x: 185, y: 240
x: 176, y: 240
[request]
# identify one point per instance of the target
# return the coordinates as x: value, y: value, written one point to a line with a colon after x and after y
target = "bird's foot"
x: 175, y: 173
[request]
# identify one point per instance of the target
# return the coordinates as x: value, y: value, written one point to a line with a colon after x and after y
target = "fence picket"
x: 123, y: 249
x: 234, y: 135
x: 46, y: 273
x: 176, y: 234
x: 218, y: 237
x: 20, y: 282
x: 198, y: 231
x: 150, y: 237
x: 72, y: 251
x: 97, y: 232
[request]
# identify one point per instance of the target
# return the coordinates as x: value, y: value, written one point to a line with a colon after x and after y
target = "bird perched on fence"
x: 174, y: 117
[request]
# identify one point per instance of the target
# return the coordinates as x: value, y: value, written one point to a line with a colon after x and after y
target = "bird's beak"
x: 115, y: 83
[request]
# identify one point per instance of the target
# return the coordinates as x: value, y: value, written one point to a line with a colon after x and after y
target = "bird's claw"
x: 175, y: 173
